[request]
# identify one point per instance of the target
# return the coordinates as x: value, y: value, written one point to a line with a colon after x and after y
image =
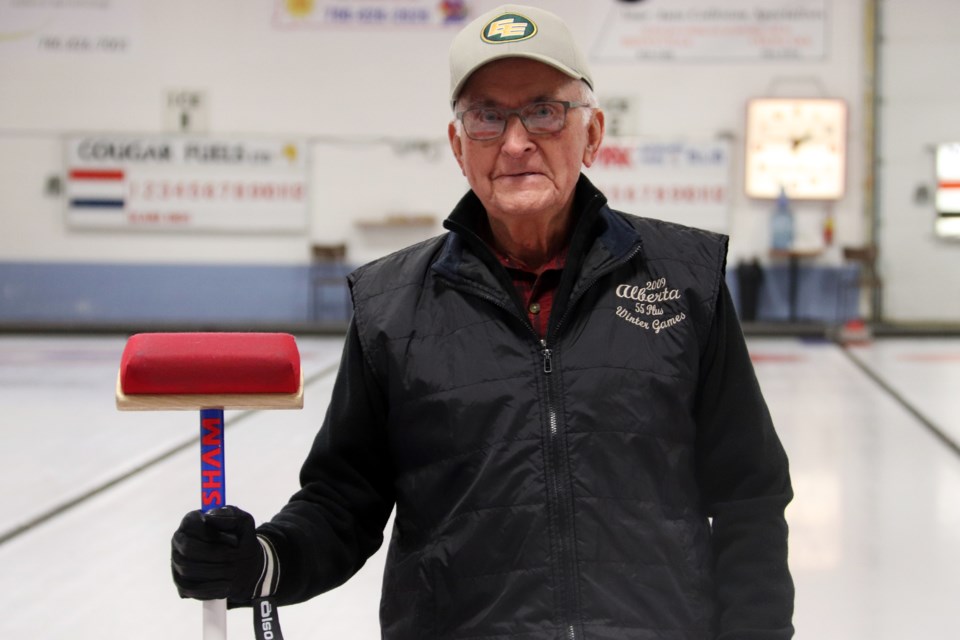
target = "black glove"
x: 217, y: 555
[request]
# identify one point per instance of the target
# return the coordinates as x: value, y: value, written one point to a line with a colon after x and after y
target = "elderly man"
x: 556, y: 397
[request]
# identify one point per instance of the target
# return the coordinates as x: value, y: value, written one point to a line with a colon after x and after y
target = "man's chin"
x: 520, y: 202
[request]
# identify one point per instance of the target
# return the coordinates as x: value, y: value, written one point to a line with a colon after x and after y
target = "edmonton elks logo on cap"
x: 508, y: 27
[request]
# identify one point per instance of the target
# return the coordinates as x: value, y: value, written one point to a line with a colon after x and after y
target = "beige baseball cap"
x: 515, y: 31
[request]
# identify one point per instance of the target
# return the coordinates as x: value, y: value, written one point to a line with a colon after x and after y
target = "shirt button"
x: 535, y: 308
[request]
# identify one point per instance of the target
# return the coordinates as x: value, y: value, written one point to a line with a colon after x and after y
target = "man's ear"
x: 456, y: 144
x: 595, y: 131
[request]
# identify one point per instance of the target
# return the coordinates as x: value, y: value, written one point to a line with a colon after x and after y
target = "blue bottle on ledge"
x: 782, y: 224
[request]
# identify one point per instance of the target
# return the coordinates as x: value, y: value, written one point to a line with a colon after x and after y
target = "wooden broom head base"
x: 197, y: 401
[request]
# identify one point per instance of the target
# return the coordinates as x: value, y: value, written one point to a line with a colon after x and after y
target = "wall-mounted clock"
x: 798, y: 144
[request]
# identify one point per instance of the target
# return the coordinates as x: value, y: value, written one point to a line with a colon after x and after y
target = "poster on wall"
x: 394, y: 14
x: 164, y: 183
x: 713, y: 31
x: 684, y: 182
x: 69, y: 27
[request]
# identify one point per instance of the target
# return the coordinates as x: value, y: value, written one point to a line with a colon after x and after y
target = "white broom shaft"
x: 215, y: 620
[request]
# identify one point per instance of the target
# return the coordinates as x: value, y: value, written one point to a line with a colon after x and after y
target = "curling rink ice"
x: 90, y: 496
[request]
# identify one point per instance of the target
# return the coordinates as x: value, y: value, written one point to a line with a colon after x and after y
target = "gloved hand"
x: 217, y: 555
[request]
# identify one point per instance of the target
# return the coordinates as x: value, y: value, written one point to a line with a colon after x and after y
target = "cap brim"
x: 506, y: 55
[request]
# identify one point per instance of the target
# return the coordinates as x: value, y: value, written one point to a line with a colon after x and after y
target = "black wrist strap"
x: 266, y: 621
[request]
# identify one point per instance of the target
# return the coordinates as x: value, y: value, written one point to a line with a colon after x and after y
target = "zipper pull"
x: 547, y: 357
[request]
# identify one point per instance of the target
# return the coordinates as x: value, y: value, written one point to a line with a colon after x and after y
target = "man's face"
x: 521, y: 174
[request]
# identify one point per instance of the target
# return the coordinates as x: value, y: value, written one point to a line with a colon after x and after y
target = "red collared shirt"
x: 536, y: 290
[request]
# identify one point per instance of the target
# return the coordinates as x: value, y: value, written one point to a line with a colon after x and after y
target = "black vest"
x: 545, y: 487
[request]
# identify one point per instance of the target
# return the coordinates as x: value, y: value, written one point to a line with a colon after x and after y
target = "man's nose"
x: 516, y: 138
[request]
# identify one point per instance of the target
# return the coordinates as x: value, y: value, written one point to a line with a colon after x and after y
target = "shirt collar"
x: 555, y: 263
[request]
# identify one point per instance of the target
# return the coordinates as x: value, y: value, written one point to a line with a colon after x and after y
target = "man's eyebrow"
x: 479, y: 102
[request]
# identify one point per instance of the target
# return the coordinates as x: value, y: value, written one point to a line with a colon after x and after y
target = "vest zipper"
x: 556, y: 471
x: 561, y: 497
x: 556, y: 463
x: 547, y: 357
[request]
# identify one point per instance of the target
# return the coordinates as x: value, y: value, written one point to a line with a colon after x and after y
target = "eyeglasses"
x: 488, y: 123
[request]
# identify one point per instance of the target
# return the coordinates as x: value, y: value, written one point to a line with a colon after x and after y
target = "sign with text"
x: 713, y: 31
x: 89, y: 28
x: 685, y: 182
x: 394, y: 14
x: 186, y: 183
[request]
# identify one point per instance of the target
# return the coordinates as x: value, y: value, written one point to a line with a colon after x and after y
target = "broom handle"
x: 213, y: 495
x: 215, y: 620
